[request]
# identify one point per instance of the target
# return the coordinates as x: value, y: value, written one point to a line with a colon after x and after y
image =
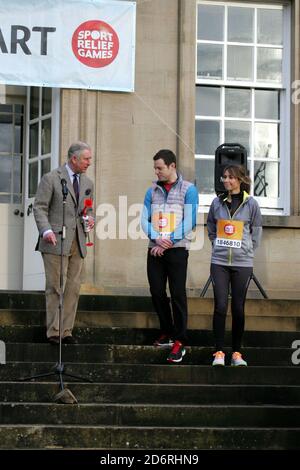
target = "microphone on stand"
x: 65, y: 193
x: 64, y: 187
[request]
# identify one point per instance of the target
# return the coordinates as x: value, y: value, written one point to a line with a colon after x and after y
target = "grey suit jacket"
x: 48, y: 211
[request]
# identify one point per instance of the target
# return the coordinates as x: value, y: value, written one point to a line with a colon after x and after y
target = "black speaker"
x: 228, y: 154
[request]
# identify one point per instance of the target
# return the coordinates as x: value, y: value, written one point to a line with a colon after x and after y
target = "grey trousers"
x: 72, y: 275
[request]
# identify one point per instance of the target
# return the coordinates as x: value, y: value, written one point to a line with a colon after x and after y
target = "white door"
x: 41, y: 156
x: 12, y: 109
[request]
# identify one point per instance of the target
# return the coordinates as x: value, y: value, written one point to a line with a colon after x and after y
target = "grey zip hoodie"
x: 223, y: 251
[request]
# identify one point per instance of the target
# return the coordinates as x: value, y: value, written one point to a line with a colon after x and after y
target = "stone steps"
x: 134, y: 354
x: 139, y: 336
x: 137, y: 400
x: 124, y: 319
x: 159, y: 373
x: 137, y: 312
x: 121, y: 437
x: 166, y: 415
x: 36, y: 301
x: 177, y: 394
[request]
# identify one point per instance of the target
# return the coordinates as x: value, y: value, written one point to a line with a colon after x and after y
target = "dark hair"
x: 166, y: 155
x: 239, y: 172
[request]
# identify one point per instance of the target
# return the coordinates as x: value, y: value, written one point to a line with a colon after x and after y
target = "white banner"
x: 68, y: 43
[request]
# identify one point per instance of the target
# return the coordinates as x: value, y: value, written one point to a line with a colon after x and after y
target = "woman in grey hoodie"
x: 234, y: 227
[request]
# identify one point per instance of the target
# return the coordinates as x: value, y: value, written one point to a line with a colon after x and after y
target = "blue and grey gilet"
x: 173, y: 201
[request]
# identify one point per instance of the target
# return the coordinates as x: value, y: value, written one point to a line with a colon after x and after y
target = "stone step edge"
x: 192, y: 312
x: 145, y: 347
x: 152, y: 405
x: 152, y: 365
x: 146, y: 428
x: 147, y: 384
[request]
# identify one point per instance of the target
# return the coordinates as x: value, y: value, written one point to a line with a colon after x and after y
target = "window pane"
x: 209, y: 61
x: 266, y: 179
x: 33, y: 140
x: 33, y: 179
x: 269, y: 64
x: 240, y: 24
x: 5, y: 174
x: 46, y: 100
x: 5, y: 198
x: 240, y: 63
x: 266, y: 140
x: 211, y: 22
x: 34, y: 102
x: 205, y: 174
x: 17, y: 166
x: 17, y: 199
x: 18, y: 133
x: 46, y: 136
x: 10, y: 94
x: 266, y: 104
x: 269, y: 26
x: 19, y: 108
x: 207, y: 137
x: 208, y: 101
x: 6, y: 108
x: 46, y: 166
x: 6, y: 133
x: 238, y: 133
x: 237, y: 102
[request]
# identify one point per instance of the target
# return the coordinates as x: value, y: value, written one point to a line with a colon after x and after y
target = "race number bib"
x: 164, y: 223
x: 230, y: 233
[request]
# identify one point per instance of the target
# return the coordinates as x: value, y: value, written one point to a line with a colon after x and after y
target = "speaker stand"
x: 253, y: 277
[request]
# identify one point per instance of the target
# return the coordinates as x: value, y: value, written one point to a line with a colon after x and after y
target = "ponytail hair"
x: 239, y: 172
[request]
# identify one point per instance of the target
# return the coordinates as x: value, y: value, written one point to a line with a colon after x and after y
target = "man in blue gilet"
x: 169, y: 216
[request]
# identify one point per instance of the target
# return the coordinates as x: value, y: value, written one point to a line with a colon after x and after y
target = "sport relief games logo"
x: 95, y: 43
x: 229, y: 229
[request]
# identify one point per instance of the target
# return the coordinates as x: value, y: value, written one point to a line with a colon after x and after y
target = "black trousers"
x: 239, y: 279
x: 171, y: 267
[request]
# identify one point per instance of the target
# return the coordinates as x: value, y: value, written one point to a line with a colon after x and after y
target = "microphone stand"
x: 65, y: 395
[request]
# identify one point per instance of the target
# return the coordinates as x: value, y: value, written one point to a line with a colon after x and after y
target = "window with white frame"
x: 242, y: 95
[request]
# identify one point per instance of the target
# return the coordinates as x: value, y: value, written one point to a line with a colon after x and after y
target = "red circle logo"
x: 229, y: 229
x: 163, y: 222
x: 95, y: 43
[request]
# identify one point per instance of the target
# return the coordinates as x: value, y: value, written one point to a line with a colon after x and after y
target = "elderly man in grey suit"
x: 48, y: 213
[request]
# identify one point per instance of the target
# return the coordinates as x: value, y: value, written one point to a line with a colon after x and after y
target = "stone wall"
x: 125, y: 130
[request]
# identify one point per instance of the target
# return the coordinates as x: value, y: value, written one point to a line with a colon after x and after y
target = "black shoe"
x: 53, y: 339
x: 69, y: 340
x: 163, y: 341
